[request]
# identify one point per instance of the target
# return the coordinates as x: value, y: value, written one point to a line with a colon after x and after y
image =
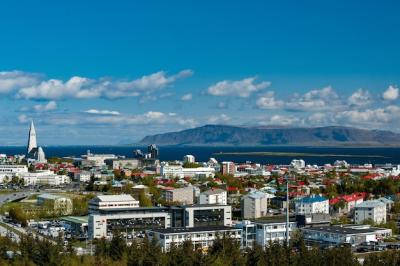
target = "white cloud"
x: 187, y: 97
x: 268, y: 101
x: 52, y: 105
x: 378, y: 116
x: 107, y: 117
x: 218, y: 119
x: 83, y: 88
x: 102, y: 112
x: 242, y: 88
x: 391, y: 94
x: 13, y: 80
x: 278, y: 120
x: 325, y: 98
x: 359, y: 98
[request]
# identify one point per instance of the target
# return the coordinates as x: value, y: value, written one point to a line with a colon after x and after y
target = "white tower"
x: 32, y: 144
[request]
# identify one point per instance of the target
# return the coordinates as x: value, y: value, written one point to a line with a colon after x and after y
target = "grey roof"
x: 193, y: 229
x: 370, y: 204
x: 213, y: 191
x: 341, y: 230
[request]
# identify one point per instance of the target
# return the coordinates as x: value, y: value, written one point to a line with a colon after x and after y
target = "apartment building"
x: 213, y: 196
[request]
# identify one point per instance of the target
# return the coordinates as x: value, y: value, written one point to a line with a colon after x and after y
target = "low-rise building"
x: 213, y: 196
x: 350, y: 234
x: 349, y: 201
x: 45, y: 177
x: 370, y: 210
x: 10, y: 170
x: 105, y: 203
x: 272, y: 230
x: 56, y: 203
x: 248, y: 233
x: 312, y: 204
x: 201, y: 237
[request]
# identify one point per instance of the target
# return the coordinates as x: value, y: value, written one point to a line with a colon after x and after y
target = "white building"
x: 312, y: 204
x: 112, y: 202
x: 349, y: 234
x: 11, y: 170
x: 45, y: 177
x: 254, y: 205
x: 373, y: 210
x: 273, y: 230
x: 198, y: 172
x: 201, y: 238
x: 171, y: 171
x: 213, y: 196
x: 189, y: 159
x: 298, y: 164
x: 96, y: 160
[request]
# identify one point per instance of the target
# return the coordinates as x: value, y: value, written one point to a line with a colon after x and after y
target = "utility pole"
x: 287, y: 208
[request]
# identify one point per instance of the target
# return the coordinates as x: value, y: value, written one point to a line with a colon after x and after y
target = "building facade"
x: 312, y: 204
x: 213, y: 196
x: 373, y: 210
x: 254, y: 205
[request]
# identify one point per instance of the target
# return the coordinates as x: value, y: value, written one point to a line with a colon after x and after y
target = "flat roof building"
x: 202, y: 238
x: 104, y: 203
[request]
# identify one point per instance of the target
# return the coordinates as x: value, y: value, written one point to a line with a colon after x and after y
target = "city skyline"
x: 133, y: 69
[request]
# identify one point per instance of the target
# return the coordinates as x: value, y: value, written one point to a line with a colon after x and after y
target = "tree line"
x: 225, y: 251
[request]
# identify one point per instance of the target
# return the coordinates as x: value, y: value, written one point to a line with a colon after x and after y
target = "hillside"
x: 235, y: 135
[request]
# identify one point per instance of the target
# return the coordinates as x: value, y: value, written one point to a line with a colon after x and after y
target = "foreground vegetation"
x: 33, y: 252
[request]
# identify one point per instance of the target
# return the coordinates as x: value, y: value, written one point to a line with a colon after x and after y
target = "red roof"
x: 348, y: 198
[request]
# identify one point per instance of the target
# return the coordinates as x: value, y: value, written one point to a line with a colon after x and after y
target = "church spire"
x: 32, y: 144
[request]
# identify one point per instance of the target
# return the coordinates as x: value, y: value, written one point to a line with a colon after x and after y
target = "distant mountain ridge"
x: 214, y: 135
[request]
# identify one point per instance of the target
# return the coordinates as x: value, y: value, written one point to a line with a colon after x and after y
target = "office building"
x: 104, y: 203
x: 202, y: 238
x: 104, y: 222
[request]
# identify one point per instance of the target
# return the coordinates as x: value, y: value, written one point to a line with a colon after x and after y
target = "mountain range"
x: 225, y: 135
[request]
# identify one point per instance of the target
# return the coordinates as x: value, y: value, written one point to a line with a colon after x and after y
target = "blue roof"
x: 312, y: 199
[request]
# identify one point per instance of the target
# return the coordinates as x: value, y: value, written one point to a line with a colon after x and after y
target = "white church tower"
x: 32, y: 144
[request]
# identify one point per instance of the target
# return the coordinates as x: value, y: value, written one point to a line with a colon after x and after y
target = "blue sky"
x: 107, y: 72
